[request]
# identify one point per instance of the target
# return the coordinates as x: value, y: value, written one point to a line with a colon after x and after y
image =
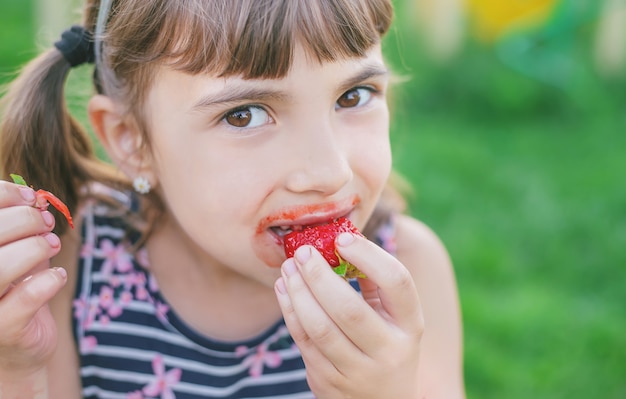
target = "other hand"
x: 27, y: 329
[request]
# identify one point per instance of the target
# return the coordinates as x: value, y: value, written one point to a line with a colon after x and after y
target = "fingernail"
x: 345, y: 239
x: 303, y: 254
x: 280, y: 286
x: 48, y: 218
x: 62, y: 272
x: 27, y: 194
x: 289, y: 268
x: 53, y: 240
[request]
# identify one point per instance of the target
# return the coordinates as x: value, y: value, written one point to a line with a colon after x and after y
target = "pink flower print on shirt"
x: 126, y: 297
x: 87, y: 250
x: 116, y: 257
x: 164, y: 382
x: 88, y: 344
x: 387, y: 237
x: 142, y: 258
x: 106, y: 298
x: 108, y: 303
x: 138, y: 280
x: 152, y: 283
x: 80, y: 307
x: 135, y: 395
x: 161, y: 311
x: 109, y: 308
x: 115, y: 281
x: 86, y: 311
x: 260, y: 358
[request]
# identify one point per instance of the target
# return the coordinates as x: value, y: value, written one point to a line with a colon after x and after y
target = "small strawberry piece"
x: 46, y: 197
x: 322, y: 237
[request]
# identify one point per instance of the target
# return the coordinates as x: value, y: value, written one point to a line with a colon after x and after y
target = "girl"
x: 236, y: 122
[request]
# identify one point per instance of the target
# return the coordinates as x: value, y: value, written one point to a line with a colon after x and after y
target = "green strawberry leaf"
x: 17, y: 179
x: 346, y: 269
x: 343, y: 266
x: 341, y: 269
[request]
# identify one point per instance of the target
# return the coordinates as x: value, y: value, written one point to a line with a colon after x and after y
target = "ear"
x: 121, y: 138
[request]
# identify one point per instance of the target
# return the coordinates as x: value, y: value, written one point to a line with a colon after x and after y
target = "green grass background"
x: 519, y: 165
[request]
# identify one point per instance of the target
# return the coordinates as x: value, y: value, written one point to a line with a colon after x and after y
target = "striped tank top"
x: 132, y: 344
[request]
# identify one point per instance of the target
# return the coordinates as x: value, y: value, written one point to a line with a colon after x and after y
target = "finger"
x: 21, y: 303
x: 317, y: 328
x: 22, y: 221
x: 396, y: 289
x: 18, y: 258
x: 362, y: 324
x: 307, y: 347
x: 319, y: 368
x: 13, y: 194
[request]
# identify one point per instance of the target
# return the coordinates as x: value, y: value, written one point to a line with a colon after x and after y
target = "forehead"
x: 189, y: 90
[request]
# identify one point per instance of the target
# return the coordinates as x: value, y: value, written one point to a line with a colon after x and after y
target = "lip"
x: 308, y: 214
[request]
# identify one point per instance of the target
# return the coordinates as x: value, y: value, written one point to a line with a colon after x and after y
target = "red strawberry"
x: 322, y: 237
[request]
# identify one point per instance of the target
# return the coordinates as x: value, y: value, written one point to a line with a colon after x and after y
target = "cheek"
x: 206, y: 191
x: 373, y: 163
x: 371, y: 153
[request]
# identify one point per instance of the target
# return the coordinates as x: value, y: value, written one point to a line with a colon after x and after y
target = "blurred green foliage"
x: 516, y: 150
x: 517, y: 153
x: 16, y: 36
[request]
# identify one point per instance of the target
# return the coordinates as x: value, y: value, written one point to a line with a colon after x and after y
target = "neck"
x: 190, y: 280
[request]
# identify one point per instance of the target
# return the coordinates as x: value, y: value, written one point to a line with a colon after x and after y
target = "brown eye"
x: 239, y: 118
x: 354, y: 98
x: 247, y: 117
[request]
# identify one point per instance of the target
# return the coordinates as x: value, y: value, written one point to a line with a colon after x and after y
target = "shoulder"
x: 418, y: 247
x: 422, y: 252
x: 441, y: 359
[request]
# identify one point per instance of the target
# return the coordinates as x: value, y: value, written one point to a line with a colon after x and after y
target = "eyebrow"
x: 235, y: 93
x: 368, y: 71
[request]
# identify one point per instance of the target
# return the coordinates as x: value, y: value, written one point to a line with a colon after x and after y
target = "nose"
x: 320, y: 162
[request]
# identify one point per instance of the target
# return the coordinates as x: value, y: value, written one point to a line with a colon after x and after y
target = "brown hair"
x: 40, y: 140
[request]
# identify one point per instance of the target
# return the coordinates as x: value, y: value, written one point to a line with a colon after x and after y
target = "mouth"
x: 299, y: 217
x: 282, y: 230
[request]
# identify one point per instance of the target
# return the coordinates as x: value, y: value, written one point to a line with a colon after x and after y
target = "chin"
x: 268, y: 248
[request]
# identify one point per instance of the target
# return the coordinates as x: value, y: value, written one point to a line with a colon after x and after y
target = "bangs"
x: 253, y: 38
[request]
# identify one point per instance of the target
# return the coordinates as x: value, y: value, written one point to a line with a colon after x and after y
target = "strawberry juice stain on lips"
x: 269, y: 248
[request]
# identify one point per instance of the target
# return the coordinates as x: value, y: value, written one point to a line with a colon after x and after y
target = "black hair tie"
x: 77, y: 46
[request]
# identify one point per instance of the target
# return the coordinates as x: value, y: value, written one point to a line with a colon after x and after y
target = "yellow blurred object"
x: 492, y: 19
x: 610, y: 39
x: 440, y: 22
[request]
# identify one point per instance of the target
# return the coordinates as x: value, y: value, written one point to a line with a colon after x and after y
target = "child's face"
x: 236, y: 159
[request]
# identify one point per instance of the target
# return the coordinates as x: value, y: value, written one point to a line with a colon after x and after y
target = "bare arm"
x: 441, y: 356
x: 63, y: 368
x: 30, y: 385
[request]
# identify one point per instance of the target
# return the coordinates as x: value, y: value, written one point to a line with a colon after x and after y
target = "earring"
x: 141, y: 185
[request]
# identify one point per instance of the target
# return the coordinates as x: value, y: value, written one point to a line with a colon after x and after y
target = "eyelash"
x: 372, y: 92
x: 242, y: 108
x: 247, y: 107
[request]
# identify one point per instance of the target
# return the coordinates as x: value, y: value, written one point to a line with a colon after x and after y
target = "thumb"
x: 26, y: 298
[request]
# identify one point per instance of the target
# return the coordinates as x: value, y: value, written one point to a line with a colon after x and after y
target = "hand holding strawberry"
x: 362, y: 345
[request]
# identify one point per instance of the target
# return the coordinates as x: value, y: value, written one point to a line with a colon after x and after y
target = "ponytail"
x: 39, y: 139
